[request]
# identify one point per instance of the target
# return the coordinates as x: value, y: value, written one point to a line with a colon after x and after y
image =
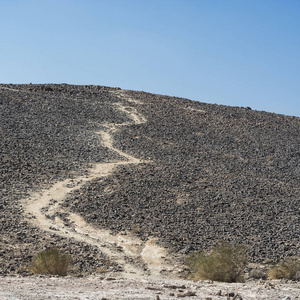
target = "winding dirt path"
x: 43, y: 209
x: 7, y: 88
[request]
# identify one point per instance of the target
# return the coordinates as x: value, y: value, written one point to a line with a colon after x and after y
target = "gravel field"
x: 47, y: 135
x: 215, y: 172
x: 130, y: 183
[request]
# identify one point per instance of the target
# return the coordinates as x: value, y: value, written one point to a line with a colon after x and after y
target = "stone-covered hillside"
x: 215, y: 172
x: 211, y: 172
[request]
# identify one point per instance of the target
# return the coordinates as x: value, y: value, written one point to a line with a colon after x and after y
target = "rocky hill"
x: 184, y: 172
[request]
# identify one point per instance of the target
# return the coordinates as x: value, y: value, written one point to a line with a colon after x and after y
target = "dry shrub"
x: 289, y: 269
x: 51, y: 261
x: 224, y: 263
x: 135, y: 229
x: 101, y: 270
x: 257, y: 274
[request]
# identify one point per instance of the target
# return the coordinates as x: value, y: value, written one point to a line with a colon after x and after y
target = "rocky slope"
x: 215, y: 172
x: 209, y: 172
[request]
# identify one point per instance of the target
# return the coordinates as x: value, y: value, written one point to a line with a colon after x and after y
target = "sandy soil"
x: 96, y: 287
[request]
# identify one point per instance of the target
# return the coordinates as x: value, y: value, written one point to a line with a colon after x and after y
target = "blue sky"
x: 232, y: 52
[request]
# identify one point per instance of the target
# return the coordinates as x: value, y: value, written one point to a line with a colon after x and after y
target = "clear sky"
x: 232, y: 52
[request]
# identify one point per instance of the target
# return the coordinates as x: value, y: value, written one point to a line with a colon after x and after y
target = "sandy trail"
x: 7, y: 88
x: 42, y: 209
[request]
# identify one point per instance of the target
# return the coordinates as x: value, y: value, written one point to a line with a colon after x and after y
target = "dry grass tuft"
x: 289, y: 269
x: 101, y: 270
x: 225, y: 263
x: 51, y: 261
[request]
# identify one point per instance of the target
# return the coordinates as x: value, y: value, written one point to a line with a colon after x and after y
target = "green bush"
x: 224, y: 263
x: 51, y: 261
x: 289, y: 269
